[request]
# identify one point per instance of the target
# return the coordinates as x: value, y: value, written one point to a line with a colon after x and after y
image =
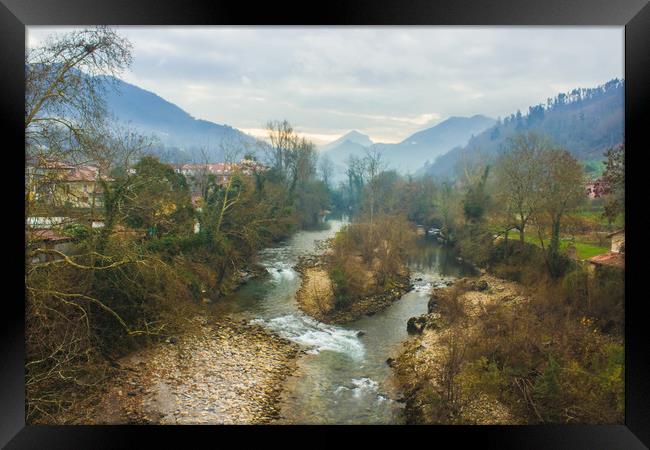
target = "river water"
x: 343, y: 378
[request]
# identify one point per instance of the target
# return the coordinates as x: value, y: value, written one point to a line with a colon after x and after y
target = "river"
x: 343, y: 378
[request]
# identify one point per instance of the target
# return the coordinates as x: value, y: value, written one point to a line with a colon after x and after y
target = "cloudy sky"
x: 387, y: 82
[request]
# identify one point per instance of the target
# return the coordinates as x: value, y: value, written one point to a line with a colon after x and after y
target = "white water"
x: 315, y: 335
x: 343, y: 378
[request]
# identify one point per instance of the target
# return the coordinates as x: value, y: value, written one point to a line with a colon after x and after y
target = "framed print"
x: 379, y: 215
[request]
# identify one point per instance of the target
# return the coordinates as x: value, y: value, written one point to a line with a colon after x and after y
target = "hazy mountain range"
x: 180, y: 136
x: 584, y: 121
x: 414, y: 151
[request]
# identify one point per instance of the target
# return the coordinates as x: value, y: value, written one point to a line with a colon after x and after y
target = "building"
x: 59, y: 184
x: 618, y: 241
x: 615, y: 258
x: 611, y: 259
x: 221, y: 171
x: 48, y: 239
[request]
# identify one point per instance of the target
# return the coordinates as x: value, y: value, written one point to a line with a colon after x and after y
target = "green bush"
x: 340, y: 286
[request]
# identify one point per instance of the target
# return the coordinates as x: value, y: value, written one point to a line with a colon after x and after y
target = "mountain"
x: 180, y: 135
x: 353, y: 137
x: 428, y: 144
x: 586, y: 122
x: 412, y: 152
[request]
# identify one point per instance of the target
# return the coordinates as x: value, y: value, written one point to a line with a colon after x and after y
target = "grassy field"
x: 584, y: 250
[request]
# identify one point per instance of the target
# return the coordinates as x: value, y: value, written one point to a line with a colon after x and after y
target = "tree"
x: 613, y: 183
x: 158, y: 199
x: 519, y: 176
x: 373, y: 165
x: 283, y: 140
x: 292, y: 157
x: 446, y: 203
x: 326, y: 168
x: 356, y: 180
x: 301, y: 163
x: 64, y: 82
x: 477, y: 199
x: 64, y: 104
x: 311, y: 200
x: 563, y: 189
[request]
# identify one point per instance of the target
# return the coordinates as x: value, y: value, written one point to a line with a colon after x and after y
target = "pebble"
x: 226, y: 374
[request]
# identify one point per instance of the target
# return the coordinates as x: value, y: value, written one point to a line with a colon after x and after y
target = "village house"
x: 59, y: 184
x: 48, y: 239
x: 618, y: 241
x: 221, y: 171
x: 615, y: 258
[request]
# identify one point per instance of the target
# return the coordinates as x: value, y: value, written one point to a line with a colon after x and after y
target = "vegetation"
x: 585, y: 122
x: 143, y: 273
x: 369, y: 259
x: 544, y: 358
x: 148, y: 245
x: 552, y: 354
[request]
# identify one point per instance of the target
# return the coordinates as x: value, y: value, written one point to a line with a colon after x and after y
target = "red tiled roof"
x: 47, y: 235
x: 214, y: 168
x: 223, y: 168
x: 81, y: 172
x: 609, y: 259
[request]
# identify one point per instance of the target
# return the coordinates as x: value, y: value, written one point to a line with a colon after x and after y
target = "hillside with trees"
x: 585, y: 121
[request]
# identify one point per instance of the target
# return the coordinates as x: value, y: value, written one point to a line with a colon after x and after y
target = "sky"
x: 386, y: 82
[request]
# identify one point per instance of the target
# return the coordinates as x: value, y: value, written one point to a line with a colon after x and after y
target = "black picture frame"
x: 15, y: 15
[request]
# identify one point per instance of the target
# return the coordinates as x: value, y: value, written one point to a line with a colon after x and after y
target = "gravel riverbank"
x: 223, y: 372
x: 422, y: 362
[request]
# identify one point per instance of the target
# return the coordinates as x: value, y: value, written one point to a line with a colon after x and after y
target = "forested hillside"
x: 586, y: 122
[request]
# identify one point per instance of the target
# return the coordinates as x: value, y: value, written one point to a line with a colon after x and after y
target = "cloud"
x: 385, y: 81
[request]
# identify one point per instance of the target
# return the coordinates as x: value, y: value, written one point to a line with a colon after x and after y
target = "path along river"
x: 343, y: 377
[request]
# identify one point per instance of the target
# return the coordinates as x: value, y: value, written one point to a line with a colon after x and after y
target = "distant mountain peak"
x: 410, y: 154
x: 355, y: 134
x: 354, y: 137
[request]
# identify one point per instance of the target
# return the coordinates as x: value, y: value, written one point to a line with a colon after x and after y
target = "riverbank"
x: 428, y: 366
x: 316, y: 295
x: 223, y: 372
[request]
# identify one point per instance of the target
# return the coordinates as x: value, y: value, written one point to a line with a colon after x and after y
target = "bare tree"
x: 65, y: 113
x: 326, y: 169
x: 283, y: 140
x: 519, y: 179
x: 65, y: 80
x: 373, y: 165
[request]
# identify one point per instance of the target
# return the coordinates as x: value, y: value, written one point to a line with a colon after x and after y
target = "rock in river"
x: 415, y: 325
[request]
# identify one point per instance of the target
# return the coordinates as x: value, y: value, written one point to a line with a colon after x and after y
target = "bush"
x: 340, y: 286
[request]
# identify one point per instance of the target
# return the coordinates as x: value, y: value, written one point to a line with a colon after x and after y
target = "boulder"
x: 360, y: 333
x: 432, y: 305
x: 416, y: 325
x: 480, y: 285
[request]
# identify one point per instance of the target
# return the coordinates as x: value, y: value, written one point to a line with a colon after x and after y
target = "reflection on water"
x: 343, y: 378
